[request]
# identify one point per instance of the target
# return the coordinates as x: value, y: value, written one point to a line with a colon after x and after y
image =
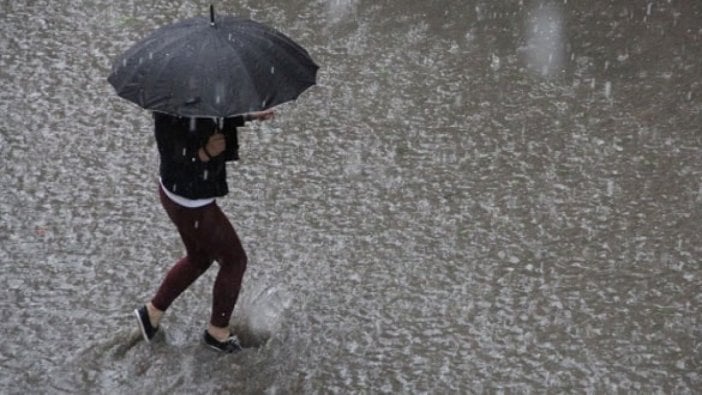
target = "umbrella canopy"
x: 213, y: 67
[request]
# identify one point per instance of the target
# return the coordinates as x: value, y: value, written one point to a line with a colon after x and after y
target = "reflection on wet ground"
x: 478, y: 197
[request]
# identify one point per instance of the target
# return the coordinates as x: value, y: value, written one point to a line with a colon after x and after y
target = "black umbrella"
x: 221, y: 67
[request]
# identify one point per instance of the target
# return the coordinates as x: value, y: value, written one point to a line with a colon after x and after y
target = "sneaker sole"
x: 217, y: 349
x: 141, y: 326
x: 214, y: 348
x: 220, y: 351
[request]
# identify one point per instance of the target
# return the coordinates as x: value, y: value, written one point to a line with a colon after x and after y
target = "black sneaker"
x: 147, y: 330
x: 230, y: 345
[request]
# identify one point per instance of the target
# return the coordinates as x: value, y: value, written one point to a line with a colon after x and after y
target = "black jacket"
x: 182, y: 172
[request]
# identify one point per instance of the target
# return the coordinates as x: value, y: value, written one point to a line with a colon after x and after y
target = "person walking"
x: 193, y: 153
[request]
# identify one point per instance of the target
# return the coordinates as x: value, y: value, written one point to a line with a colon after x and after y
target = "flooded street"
x: 478, y: 196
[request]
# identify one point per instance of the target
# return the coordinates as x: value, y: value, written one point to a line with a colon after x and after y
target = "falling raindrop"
x: 220, y: 93
x: 185, y: 151
x: 151, y: 55
x: 495, y: 62
x: 608, y: 89
x: 204, y: 175
x: 175, y: 187
x: 197, y: 224
x: 272, y: 69
x: 610, y: 187
x: 193, y: 125
x: 124, y: 62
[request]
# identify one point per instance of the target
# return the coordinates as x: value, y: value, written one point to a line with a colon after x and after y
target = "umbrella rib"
x: 290, y: 49
x: 279, y: 38
x: 156, y: 76
x: 200, y: 58
x: 161, y: 47
x: 240, y: 60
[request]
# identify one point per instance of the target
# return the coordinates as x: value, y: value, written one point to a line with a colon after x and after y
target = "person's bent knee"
x: 243, y: 260
x: 238, y: 260
x: 199, y: 262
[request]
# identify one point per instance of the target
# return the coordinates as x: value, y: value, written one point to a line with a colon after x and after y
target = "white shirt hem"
x: 185, y: 202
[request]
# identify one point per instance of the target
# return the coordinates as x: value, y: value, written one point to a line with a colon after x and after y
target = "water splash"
x: 261, y: 313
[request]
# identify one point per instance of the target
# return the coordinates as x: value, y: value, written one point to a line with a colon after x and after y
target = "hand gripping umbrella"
x: 219, y: 67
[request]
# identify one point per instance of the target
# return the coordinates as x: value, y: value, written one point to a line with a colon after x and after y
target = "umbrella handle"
x: 212, y: 22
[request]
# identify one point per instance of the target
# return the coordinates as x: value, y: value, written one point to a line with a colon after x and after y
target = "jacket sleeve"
x: 176, y: 142
x: 231, y: 137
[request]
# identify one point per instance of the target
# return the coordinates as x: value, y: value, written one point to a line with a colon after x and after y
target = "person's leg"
x: 188, y: 268
x: 224, y: 245
x: 177, y: 280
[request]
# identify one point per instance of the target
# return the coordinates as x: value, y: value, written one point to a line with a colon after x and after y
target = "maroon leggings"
x: 208, y: 236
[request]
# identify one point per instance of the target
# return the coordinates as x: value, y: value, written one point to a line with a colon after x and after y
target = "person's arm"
x: 260, y: 115
x: 231, y: 151
x: 215, y: 145
x: 180, y: 145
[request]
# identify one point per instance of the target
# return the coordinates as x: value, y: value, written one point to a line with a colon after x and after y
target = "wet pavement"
x: 478, y: 196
